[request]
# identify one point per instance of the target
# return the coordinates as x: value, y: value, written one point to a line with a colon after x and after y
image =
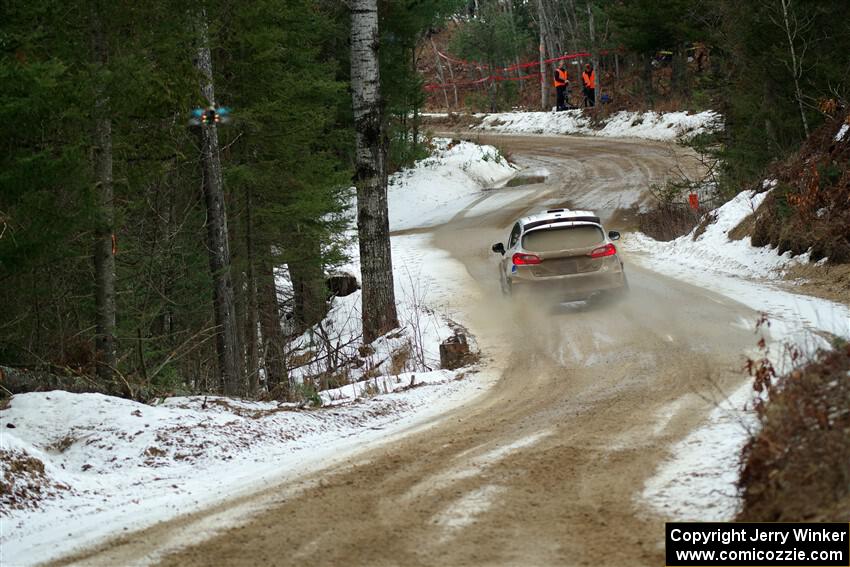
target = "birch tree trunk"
x: 544, y: 79
x: 440, y: 76
x: 378, y: 308
x: 104, y: 249
x: 227, y: 336
x: 791, y: 29
x: 594, y: 57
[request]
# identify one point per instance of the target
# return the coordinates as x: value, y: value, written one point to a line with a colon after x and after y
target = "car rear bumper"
x: 571, y: 286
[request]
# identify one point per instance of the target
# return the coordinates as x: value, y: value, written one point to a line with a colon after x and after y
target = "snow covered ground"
x: 77, y: 468
x: 433, y: 191
x: 624, y: 124
x: 698, y: 483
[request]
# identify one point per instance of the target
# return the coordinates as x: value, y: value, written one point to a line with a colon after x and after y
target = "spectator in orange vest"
x: 561, y: 83
x: 588, y: 79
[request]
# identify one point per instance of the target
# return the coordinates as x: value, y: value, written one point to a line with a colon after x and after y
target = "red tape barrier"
x: 499, y: 77
x: 436, y: 86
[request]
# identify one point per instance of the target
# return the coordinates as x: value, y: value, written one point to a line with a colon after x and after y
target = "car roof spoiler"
x: 535, y: 224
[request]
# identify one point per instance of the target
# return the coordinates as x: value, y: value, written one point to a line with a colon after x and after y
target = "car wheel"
x: 504, y: 285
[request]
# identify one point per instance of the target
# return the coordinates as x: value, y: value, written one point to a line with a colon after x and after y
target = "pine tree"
x: 104, y: 248
x: 227, y: 334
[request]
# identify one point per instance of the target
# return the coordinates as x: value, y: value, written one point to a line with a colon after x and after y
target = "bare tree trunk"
x: 415, y: 100
x: 571, y: 24
x: 553, y: 45
x: 227, y: 337
x: 594, y: 54
x: 646, y: 59
x: 272, y: 333
x: 679, y: 71
x: 252, y: 315
x: 378, y: 309
x: 440, y: 76
x: 104, y: 248
x: 309, y: 292
x: 543, y: 76
x: 791, y: 29
x: 454, y: 85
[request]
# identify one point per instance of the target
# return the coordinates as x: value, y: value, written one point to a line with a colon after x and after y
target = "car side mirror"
x: 613, y: 235
x: 499, y: 247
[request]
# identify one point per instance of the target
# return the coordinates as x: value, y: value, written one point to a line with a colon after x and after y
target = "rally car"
x: 561, y: 253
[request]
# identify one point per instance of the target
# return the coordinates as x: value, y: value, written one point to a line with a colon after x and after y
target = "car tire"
x: 504, y: 286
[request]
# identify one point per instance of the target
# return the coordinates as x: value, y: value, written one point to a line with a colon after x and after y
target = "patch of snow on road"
x: 699, y: 483
x: 473, y: 465
x: 463, y: 511
x: 624, y: 124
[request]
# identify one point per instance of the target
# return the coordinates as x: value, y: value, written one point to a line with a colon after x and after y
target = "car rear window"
x: 562, y: 238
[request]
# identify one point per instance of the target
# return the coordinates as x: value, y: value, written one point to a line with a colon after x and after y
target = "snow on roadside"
x: 433, y: 191
x: 126, y: 465
x: 624, y: 124
x: 437, y: 187
x: 698, y: 483
x: 713, y: 248
x: 77, y: 468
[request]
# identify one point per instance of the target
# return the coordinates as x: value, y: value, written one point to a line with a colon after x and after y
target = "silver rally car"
x: 561, y: 253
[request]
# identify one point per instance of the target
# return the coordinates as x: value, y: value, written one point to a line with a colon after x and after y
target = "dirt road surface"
x: 546, y: 467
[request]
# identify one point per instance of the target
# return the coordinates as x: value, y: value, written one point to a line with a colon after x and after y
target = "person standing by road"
x: 588, y: 79
x: 561, y: 83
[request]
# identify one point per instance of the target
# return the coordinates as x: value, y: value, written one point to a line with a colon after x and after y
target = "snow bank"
x: 699, y: 482
x: 624, y: 124
x: 111, y: 464
x: 714, y: 249
x: 436, y: 188
x: 425, y: 278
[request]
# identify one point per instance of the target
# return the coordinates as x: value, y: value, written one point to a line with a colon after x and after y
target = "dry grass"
x: 400, y: 359
x: 797, y: 468
x: 519, y: 180
x: 830, y: 282
x: 744, y: 228
x: 668, y: 221
x: 24, y: 484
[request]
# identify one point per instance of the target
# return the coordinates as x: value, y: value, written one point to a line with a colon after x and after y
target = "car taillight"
x: 524, y: 259
x: 602, y: 251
